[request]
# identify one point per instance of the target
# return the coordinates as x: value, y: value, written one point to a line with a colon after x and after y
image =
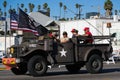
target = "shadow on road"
x: 104, y: 71
x: 111, y: 70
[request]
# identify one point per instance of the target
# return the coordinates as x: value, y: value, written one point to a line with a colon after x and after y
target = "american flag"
x: 27, y: 23
x: 14, y: 21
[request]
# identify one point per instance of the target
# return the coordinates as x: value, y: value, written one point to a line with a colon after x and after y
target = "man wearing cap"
x: 88, y: 34
x: 75, y: 33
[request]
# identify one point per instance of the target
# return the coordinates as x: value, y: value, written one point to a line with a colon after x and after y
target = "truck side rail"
x: 96, y: 39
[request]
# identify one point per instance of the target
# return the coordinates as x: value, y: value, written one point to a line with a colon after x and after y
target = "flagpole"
x: 10, y: 25
x: 5, y: 33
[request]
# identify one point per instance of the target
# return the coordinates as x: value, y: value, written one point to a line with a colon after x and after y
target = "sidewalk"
x: 2, y: 67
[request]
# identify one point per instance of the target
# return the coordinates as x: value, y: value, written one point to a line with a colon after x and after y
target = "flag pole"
x: 5, y: 33
x: 10, y: 33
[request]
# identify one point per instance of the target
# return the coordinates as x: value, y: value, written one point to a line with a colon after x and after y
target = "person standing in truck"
x: 88, y: 34
x: 76, y: 33
x: 73, y: 33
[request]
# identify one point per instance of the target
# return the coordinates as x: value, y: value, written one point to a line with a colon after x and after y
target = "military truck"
x: 34, y: 56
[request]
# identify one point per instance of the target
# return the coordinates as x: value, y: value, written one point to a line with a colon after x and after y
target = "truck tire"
x: 37, y: 66
x: 74, y: 68
x: 21, y: 69
x: 94, y: 64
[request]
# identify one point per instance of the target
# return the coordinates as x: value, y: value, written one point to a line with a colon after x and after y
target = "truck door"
x: 65, y: 53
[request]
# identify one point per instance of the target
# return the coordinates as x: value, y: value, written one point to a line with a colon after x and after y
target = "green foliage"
x: 108, y: 5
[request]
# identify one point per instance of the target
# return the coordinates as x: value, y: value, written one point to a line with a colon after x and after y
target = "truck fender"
x: 91, y: 52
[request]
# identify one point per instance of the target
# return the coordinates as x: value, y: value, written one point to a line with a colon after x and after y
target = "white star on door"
x: 63, y: 52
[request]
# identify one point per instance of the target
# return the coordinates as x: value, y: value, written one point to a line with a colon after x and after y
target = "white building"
x: 97, y: 27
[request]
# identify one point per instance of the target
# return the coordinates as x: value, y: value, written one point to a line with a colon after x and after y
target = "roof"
x: 41, y: 18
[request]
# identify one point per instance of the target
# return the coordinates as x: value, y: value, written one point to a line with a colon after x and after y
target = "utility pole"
x: 80, y: 9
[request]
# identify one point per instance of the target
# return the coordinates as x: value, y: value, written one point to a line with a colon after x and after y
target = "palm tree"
x: 5, y: 4
x: 22, y: 5
x: 48, y: 11
x: 108, y: 6
x: 116, y: 12
x: 31, y: 7
x: 64, y: 10
x: 25, y: 10
x: 45, y: 6
x: 60, y: 4
x: 39, y: 7
x: 77, y: 6
x: 1, y: 13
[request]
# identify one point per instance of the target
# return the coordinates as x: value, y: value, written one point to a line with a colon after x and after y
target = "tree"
x: 25, y: 10
x: 1, y: 13
x: 108, y: 6
x: 116, y: 12
x: 5, y: 5
x: 22, y: 5
x: 39, y: 7
x: 48, y: 11
x: 77, y: 6
x: 64, y: 10
x: 45, y: 6
x: 60, y: 4
x: 11, y: 11
x: 31, y: 7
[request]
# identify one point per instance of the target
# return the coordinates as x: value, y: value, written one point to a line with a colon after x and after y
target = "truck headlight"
x: 11, y: 50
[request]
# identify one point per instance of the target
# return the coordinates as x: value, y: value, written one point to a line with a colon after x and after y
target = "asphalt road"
x: 110, y: 72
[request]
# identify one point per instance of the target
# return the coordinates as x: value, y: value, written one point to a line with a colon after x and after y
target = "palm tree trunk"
x: 107, y: 13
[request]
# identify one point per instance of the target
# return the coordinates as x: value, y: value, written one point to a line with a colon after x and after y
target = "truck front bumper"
x: 10, y: 62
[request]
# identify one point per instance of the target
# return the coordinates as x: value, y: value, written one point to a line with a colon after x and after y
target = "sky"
x: 88, y: 6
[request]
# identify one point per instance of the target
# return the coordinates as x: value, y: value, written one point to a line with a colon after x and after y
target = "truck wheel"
x: 21, y: 69
x: 37, y: 66
x: 94, y: 64
x: 73, y: 68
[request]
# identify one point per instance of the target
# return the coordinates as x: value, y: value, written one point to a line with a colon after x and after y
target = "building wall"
x: 9, y: 42
x: 97, y: 27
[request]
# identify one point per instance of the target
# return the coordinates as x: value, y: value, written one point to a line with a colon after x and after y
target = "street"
x: 110, y: 72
